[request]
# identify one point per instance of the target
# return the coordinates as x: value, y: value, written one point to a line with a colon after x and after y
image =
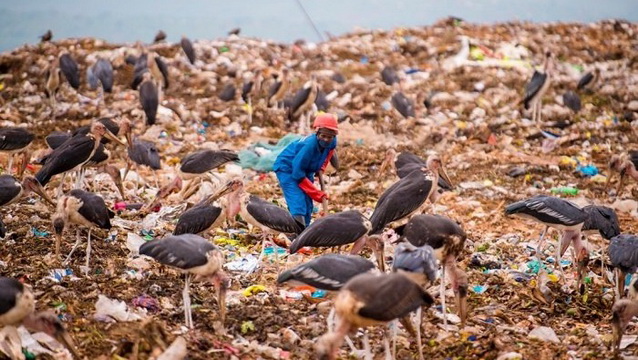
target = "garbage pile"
x: 465, y: 81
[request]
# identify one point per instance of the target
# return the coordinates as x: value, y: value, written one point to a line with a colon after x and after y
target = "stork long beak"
x: 109, y: 135
x: 461, y: 303
x: 25, y: 161
x: 65, y: 339
x: 611, y: 175
x: 116, y: 176
x: 376, y: 242
x: 221, y: 300
x: 226, y: 189
x: 58, y: 241
x: 38, y: 189
x: 444, y: 176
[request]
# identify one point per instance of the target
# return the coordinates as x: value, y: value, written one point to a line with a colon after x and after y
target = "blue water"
x: 281, y: 20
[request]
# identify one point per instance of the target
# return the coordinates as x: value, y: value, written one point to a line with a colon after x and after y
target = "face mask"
x: 323, y: 144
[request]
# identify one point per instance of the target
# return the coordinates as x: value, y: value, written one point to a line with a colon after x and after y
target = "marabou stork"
x: 160, y: 36
x: 82, y: 208
x: 389, y: 75
x: 346, y: 227
x: 623, y: 253
x: 302, y: 104
x: 407, y: 195
x: 193, y: 255
x: 11, y: 190
x: 141, y: 152
x: 15, y: 141
x: 17, y: 307
x: 198, y: 164
x: 204, y: 215
x: 589, y: 80
x: 69, y: 68
x: 149, y: 98
x: 279, y: 89
x: 447, y: 239
x: 572, y: 101
x: 47, y: 36
x: 228, y: 93
x: 403, y: 104
x: 52, y: 84
x: 536, y: 88
x: 368, y: 300
x: 187, y: 46
x: 101, y: 74
x: 622, y: 312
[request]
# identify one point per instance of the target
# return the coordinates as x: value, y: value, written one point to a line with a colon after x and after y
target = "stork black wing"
x: 533, y: 87
x: 388, y: 296
x: 586, y: 79
x: 633, y: 157
x: 572, y: 101
x: 406, y: 158
x: 273, y: 89
x: 93, y: 208
x: 187, y: 46
x: 432, y: 230
x: 246, y: 88
x: 197, y: 219
x: 549, y: 210
x: 70, y: 70
x: 10, y: 187
x: 150, y: 101
x: 72, y: 153
x: 623, y: 252
x: 332, y: 230
x: 14, y: 138
x: 328, y: 272
x: 416, y: 260
x: 322, y: 101
x: 403, y: 105
x: 141, y: 66
x: 401, y: 199
x: 184, y: 251
x: 202, y: 161
x: 389, y: 75
x: 145, y: 152
x: 55, y: 139
x: 228, y: 93
x: 10, y: 289
x: 103, y: 70
x: 163, y: 68
x: 272, y: 216
x: 603, y: 219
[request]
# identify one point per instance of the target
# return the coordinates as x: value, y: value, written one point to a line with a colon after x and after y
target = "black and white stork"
x: 447, y: 239
x: 189, y: 50
x: 405, y: 163
x: 623, y: 253
x: 74, y: 153
x: 204, y: 215
x: 17, y: 307
x: 279, y: 89
x: 327, y: 272
x: 342, y: 228
x: 69, y: 68
x: 15, y: 141
x: 199, y: 164
x: 418, y: 264
x: 537, y: 87
x: 369, y: 300
x: 12, y: 190
x: 621, y: 314
x: 193, y: 255
x: 81, y: 208
x: 589, y: 81
x: 406, y: 196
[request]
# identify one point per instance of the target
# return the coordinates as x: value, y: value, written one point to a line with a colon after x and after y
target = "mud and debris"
x: 466, y: 108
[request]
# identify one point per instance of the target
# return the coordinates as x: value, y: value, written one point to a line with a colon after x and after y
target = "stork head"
x: 621, y: 313
x: 50, y: 324
x: 435, y: 164
x: 30, y: 183
x: 116, y: 176
x: 99, y: 130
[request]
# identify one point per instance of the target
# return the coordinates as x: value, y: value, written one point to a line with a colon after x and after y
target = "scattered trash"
x: 177, y: 350
x: 110, y: 310
x: 39, y: 233
x: 146, y: 302
x: 319, y: 294
x: 247, y: 263
x: 565, y: 190
x: 247, y: 326
x: 253, y: 289
x: 133, y: 243
x: 544, y: 333
x: 58, y: 274
x: 589, y: 170
x: 479, y: 289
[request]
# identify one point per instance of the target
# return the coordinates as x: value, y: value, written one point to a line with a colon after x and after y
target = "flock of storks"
x: 366, y: 294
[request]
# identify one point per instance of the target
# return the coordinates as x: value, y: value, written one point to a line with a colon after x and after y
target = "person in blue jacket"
x: 297, y: 164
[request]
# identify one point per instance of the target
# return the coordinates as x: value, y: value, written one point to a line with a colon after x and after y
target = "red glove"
x: 309, y: 188
x: 325, y: 163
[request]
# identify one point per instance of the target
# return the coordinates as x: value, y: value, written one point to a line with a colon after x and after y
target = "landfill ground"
x: 474, y: 122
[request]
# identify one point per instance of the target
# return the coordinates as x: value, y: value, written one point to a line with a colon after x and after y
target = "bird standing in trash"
x: 625, y: 164
x: 17, y: 307
x: 298, y: 163
x: 537, y: 87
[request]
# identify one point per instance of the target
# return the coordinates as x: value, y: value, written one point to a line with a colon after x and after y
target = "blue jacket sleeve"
x: 301, y: 161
